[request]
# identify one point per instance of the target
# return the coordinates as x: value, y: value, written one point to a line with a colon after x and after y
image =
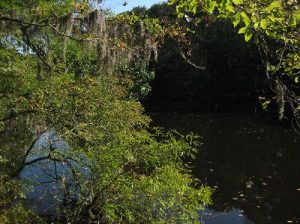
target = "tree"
x: 274, y: 27
x: 62, y: 80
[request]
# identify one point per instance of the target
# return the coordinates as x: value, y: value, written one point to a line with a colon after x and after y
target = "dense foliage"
x: 233, y: 74
x: 274, y: 27
x: 69, y: 80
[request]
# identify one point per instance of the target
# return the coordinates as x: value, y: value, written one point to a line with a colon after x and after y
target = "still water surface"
x: 254, y: 167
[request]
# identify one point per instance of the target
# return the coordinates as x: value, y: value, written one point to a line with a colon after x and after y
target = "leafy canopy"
x: 62, y: 72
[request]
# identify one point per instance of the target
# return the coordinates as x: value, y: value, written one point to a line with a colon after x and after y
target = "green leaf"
x: 229, y: 7
x: 272, y: 18
x: 237, y: 2
x: 246, y: 19
x: 274, y: 4
x: 236, y: 20
x: 211, y: 6
x: 242, y: 30
x: 264, y: 23
x: 195, y: 9
x: 266, y: 104
x: 297, y: 79
x: 256, y: 25
x: 248, y: 36
x: 180, y: 15
x: 296, y: 15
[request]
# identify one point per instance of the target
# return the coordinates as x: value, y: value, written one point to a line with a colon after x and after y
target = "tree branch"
x: 189, y: 61
x: 39, y: 52
x: 22, y: 22
x: 37, y: 160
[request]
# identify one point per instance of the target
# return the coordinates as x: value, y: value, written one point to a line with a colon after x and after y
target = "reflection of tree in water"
x: 253, y: 166
x: 254, y: 169
x: 45, y: 163
x: 53, y: 169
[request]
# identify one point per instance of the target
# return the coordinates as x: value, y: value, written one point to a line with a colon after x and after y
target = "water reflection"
x: 229, y: 217
x: 253, y: 166
x: 53, y: 175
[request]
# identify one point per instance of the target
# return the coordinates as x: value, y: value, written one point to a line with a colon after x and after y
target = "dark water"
x: 253, y: 166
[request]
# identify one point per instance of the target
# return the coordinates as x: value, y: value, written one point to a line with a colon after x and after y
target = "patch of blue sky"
x: 118, y: 6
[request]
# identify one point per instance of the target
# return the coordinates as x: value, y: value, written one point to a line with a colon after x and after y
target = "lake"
x: 253, y: 165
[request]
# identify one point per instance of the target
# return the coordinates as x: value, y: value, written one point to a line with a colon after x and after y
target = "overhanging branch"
x: 189, y: 61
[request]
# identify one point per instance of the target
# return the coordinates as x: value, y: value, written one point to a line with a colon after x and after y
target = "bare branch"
x: 37, y: 160
x: 189, y: 61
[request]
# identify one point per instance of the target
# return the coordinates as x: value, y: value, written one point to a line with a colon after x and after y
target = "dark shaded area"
x: 232, y: 81
x: 253, y: 165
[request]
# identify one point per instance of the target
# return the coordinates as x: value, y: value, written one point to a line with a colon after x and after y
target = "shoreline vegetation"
x: 78, y: 73
x: 75, y: 82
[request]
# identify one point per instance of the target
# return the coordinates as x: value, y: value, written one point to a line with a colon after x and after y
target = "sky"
x: 117, y: 5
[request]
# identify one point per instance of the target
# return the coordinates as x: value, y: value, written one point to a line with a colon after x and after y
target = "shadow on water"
x: 253, y: 166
